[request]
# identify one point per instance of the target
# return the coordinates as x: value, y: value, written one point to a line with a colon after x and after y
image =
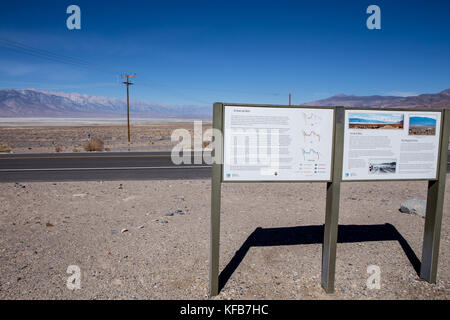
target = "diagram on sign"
x: 312, y: 120
x: 314, y: 148
x: 311, y: 137
x: 310, y: 155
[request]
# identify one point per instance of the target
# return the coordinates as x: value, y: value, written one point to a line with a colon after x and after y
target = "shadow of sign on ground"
x: 288, y: 236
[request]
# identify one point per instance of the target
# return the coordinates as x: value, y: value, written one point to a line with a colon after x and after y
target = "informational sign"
x: 277, y: 144
x: 390, y: 145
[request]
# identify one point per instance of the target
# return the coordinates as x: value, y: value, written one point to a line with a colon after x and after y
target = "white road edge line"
x: 107, y: 168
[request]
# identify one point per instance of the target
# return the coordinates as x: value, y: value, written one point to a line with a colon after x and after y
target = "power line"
x: 26, y: 47
x: 44, y: 54
x: 81, y: 63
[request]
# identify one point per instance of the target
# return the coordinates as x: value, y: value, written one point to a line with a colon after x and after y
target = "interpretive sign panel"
x: 390, y: 145
x: 277, y: 143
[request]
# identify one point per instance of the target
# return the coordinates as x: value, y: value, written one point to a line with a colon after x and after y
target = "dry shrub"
x: 75, y: 149
x: 5, y: 148
x: 58, y: 149
x: 107, y: 149
x: 93, y: 144
x: 205, y: 144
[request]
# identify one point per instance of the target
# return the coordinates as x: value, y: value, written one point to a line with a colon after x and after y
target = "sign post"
x: 435, y: 204
x: 332, y: 207
x: 216, y: 185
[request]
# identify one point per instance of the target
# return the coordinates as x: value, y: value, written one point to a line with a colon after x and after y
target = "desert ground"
x: 71, y: 138
x: 422, y: 131
x: 375, y: 126
x: 131, y: 243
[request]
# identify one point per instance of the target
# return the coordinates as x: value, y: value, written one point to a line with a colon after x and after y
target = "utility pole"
x: 128, y: 83
x: 289, y: 98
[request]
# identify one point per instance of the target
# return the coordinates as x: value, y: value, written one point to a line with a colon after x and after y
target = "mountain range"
x: 426, y: 101
x: 359, y: 120
x: 36, y: 103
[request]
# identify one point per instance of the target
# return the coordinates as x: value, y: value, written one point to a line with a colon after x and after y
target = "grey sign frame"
x: 434, y: 210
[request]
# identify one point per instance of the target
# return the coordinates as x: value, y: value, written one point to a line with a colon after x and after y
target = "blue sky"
x: 422, y: 121
x: 198, y: 52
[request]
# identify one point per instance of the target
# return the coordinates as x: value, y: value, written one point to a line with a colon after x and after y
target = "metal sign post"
x: 216, y: 185
x: 435, y: 204
x: 332, y: 206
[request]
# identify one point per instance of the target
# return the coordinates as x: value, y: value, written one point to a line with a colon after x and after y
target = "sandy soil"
x: 42, y: 139
x: 45, y: 227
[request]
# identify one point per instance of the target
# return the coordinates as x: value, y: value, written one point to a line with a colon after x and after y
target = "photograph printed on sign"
x: 375, y: 121
x: 420, y: 125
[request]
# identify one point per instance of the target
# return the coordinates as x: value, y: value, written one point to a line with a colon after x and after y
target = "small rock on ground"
x: 417, y: 207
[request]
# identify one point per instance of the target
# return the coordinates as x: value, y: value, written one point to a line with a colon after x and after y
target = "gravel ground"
x: 45, y: 227
x: 71, y: 138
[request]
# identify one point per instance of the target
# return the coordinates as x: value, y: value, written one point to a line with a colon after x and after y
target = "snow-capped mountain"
x: 36, y: 103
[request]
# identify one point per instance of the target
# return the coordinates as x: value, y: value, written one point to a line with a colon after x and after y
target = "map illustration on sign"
x: 277, y: 144
x: 390, y: 145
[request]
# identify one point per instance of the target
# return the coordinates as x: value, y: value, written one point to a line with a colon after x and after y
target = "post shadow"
x: 314, y: 234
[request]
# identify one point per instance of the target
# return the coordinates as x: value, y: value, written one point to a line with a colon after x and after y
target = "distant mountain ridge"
x: 36, y: 103
x: 426, y: 101
x: 358, y: 120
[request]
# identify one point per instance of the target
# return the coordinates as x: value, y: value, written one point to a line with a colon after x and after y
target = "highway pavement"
x: 99, y: 166
x: 103, y: 166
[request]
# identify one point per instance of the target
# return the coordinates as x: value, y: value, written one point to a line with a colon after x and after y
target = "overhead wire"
x: 77, y: 62
x: 45, y: 54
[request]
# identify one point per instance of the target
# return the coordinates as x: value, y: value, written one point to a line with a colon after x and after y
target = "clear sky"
x: 198, y: 52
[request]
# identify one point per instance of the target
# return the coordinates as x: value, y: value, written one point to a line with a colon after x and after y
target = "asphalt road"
x: 99, y: 166
x: 102, y: 166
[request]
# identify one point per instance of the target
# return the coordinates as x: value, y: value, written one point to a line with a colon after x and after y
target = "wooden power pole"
x: 128, y: 83
x: 289, y: 98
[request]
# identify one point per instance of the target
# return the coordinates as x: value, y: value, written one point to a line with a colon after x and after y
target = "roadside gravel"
x: 150, y: 240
